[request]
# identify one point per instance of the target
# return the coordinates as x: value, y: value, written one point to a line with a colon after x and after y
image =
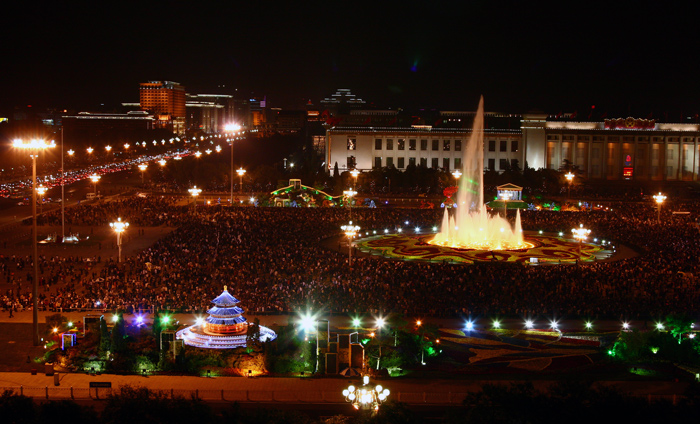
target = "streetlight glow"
x: 119, y: 227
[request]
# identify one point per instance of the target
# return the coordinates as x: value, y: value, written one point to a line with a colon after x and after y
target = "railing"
x: 254, y: 396
x: 263, y: 396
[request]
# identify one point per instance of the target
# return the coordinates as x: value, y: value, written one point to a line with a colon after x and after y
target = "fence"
x: 259, y: 396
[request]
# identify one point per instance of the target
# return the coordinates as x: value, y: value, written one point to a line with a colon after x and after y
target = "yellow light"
x: 119, y: 226
x: 33, y: 144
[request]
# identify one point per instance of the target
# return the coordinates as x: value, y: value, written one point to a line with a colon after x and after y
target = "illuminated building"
x: 609, y: 149
x: 224, y: 328
x: 209, y: 113
x: 166, y: 100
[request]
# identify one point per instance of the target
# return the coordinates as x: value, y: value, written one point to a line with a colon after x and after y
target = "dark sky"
x: 634, y: 57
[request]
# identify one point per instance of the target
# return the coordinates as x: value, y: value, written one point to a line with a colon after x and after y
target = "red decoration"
x: 449, y: 191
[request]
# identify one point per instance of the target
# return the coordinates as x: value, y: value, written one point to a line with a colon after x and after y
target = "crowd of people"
x: 279, y: 260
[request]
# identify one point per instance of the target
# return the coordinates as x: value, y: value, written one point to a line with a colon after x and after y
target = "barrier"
x: 264, y: 396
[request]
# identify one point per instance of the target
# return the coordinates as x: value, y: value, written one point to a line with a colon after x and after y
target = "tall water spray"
x: 471, y: 226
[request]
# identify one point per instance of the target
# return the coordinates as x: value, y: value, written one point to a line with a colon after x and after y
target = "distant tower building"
x: 165, y: 99
x: 341, y: 102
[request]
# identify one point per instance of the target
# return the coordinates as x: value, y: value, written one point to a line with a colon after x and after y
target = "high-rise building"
x: 166, y: 100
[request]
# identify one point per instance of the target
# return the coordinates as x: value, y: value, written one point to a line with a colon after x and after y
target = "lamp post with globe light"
x: 350, y: 230
x: 95, y: 178
x: 119, y: 226
x: 41, y: 190
x: 142, y: 168
x: 195, y: 192
x: 240, y: 172
x: 34, y: 146
x: 355, y: 173
x: 349, y: 194
x: 232, y: 129
x: 457, y: 173
x: 366, y: 397
x: 580, y: 234
x: 659, y: 198
x: 570, y: 178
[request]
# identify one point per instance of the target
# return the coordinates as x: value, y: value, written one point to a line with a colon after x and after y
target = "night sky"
x: 623, y: 57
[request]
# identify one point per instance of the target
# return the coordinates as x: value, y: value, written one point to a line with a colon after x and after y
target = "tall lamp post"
x: 95, y: 178
x: 580, y: 234
x: 143, y: 167
x: 231, y: 129
x: 350, y: 231
x: 349, y: 194
x: 240, y: 172
x: 194, y: 191
x: 41, y: 190
x: 119, y: 226
x: 34, y: 146
x: 355, y: 173
x: 659, y: 198
x: 570, y: 178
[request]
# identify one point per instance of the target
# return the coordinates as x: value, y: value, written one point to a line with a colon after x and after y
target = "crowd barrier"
x: 262, y: 396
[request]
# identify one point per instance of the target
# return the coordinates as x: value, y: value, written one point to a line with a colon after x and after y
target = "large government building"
x: 610, y: 149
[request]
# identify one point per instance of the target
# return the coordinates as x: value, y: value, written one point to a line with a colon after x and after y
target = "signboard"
x: 627, y: 172
x: 100, y: 384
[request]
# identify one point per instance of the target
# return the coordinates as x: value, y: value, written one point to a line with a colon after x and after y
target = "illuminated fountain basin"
x: 539, y: 248
x: 470, y: 226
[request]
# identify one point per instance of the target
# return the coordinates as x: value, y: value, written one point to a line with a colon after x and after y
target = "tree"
x: 336, y: 172
x: 104, y: 336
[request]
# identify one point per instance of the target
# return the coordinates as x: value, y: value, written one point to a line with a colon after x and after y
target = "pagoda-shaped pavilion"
x: 224, y: 328
x: 225, y: 317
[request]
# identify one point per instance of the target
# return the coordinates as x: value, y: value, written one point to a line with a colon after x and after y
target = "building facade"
x: 612, y: 149
x: 166, y: 100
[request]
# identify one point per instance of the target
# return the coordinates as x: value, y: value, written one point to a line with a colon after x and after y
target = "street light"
x: 95, y: 178
x: 162, y: 162
x: 505, y: 196
x: 349, y: 194
x: 34, y: 146
x: 41, y: 190
x: 580, y: 234
x: 457, y: 173
x: 570, y: 178
x: 240, y: 172
x: 232, y: 129
x: 108, y: 148
x: 89, y: 150
x: 659, y: 198
x: 195, y: 192
x: 355, y: 173
x: 350, y: 231
x: 119, y: 226
x: 143, y: 168
x: 367, y: 397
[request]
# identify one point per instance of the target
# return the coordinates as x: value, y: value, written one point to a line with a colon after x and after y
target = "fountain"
x: 471, y: 226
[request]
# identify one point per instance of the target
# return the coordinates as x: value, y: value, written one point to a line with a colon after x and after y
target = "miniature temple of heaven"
x: 224, y: 328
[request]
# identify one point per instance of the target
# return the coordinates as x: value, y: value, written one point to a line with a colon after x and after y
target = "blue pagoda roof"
x: 225, y: 299
x: 230, y: 311
x: 226, y: 321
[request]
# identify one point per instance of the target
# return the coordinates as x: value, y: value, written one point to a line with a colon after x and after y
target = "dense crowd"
x: 280, y: 260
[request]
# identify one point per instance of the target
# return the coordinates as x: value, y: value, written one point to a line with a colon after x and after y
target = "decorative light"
x: 570, y: 177
x: 356, y: 322
x: 218, y: 149
x: 380, y: 322
x: 589, y: 325
x: 126, y: 146
x: 108, y: 148
x: 457, y: 173
x: 496, y: 324
x: 659, y: 326
x: 367, y: 397
x: 115, y: 318
x: 162, y: 162
x: 71, y: 152
x: 529, y: 324
x: 198, y: 154
x: 89, y: 150
x: 470, y: 326
x: 625, y: 326
x: 354, y: 173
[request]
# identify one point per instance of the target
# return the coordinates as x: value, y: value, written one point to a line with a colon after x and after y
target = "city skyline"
x: 625, y: 58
